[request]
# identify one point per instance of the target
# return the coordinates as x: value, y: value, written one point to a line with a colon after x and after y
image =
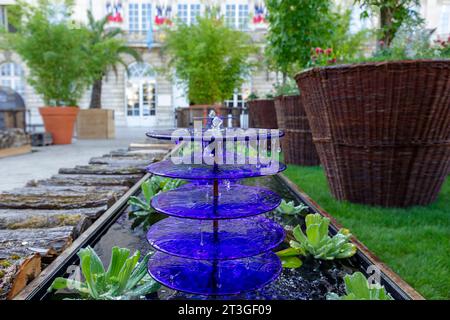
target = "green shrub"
x: 209, y: 58
x: 358, y: 288
x: 54, y: 51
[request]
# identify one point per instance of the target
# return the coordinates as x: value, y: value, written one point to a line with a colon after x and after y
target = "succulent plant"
x: 317, y: 241
x: 289, y: 208
x: 124, y: 279
x: 358, y: 288
x: 144, y: 214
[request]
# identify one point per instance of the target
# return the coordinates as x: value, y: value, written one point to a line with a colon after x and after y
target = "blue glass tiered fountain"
x: 216, y: 240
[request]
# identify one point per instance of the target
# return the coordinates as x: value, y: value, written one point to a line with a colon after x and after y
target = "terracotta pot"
x: 382, y: 130
x: 262, y: 114
x: 60, y: 122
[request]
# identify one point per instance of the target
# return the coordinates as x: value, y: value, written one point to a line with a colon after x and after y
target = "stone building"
x: 145, y: 98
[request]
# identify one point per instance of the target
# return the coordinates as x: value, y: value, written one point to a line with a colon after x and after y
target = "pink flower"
x: 328, y: 51
x: 319, y: 50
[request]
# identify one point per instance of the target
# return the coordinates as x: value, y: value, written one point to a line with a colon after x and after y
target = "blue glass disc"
x: 230, y: 134
x: 235, y: 239
x: 206, y: 172
x: 214, y: 277
x: 198, y: 202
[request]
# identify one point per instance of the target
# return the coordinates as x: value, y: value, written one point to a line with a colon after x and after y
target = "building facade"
x: 142, y: 97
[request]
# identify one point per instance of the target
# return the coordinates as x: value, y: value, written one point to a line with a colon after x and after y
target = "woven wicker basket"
x: 297, y: 144
x: 382, y: 130
x: 262, y: 114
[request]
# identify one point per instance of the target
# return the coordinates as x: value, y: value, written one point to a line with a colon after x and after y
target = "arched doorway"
x: 140, y: 95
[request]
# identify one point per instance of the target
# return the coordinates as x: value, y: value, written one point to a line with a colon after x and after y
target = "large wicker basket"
x: 297, y: 144
x: 382, y: 130
x: 262, y: 114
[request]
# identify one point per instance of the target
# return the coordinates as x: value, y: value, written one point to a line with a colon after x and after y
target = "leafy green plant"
x: 209, y: 58
x: 106, y: 50
x: 290, y: 258
x: 321, y: 57
x: 392, y: 14
x: 252, y: 96
x: 443, y: 47
x: 289, y: 208
x: 53, y: 49
x: 288, y: 88
x: 317, y: 242
x: 270, y: 95
x: 295, y: 28
x: 409, y: 44
x: 346, y: 44
x: 358, y: 288
x: 124, y: 279
x: 144, y: 214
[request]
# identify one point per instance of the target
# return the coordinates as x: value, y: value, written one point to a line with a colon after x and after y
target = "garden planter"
x: 59, y: 121
x: 96, y: 124
x: 382, y: 130
x: 262, y: 114
x: 298, y: 146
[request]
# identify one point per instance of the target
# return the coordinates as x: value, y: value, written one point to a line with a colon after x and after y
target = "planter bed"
x: 412, y: 241
x: 312, y: 281
x: 38, y: 222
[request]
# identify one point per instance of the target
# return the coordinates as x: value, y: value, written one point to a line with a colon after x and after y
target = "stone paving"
x: 44, y: 162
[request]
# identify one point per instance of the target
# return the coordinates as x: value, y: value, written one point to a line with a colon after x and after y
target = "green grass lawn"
x: 414, y: 242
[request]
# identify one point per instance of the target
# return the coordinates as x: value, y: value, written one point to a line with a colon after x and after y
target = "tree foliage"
x: 107, y: 50
x: 346, y: 45
x: 52, y: 47
x: 393, y: 14
x: 296, y: 26
x: 209, y: 58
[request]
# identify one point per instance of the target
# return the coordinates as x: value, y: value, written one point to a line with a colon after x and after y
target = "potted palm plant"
x: 107, y: 49
x: 382, y: 127
x: 210, y: 60
x: 52, y: 48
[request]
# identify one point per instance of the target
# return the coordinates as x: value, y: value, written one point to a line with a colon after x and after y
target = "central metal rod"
x: 215, y: 262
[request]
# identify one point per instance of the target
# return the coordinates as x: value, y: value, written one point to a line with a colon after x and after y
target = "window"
x: 183, y: 12
x: 133, y: 17
x: 237, y: 16
x: 243, y: 17
x: 12, y: 76
x: 444, y: 20
x: 195, y: 12
x: 141, y: 90
x: 188, y: 13
x: 139, y: 17
x: 236, y: 101
x: 230, y: 15
x: 3, y: 17
x: 146, y: 16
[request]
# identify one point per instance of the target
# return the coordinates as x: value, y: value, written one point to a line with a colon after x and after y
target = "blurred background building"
x: 143, y: 97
